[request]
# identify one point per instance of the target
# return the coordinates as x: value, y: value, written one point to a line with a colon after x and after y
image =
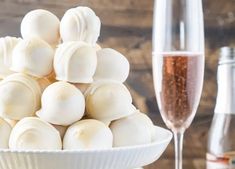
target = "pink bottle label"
x: 225, y: 161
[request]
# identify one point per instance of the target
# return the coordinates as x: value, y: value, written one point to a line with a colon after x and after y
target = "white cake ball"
x: 41, y: 24
x: 20, y: 96
x: 34, y: 57
x: 75, y: 62
x: 111, y: 65
x: 32, y: 133
x: 5, y: 130
x: 80, y: 24
x: 7, y: 44
x: 62, y: 104
x: 88, y: 134
x: 108, y: 100
x: 135, y: 129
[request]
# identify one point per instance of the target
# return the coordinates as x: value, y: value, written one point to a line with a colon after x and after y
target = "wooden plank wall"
x: 127, y: 27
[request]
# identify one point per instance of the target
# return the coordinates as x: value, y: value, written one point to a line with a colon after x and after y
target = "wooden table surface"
x: 127, y: 27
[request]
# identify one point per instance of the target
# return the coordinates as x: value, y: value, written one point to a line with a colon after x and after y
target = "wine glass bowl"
x: 180, y: 84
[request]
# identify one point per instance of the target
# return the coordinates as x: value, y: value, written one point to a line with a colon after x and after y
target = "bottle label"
x: 225, y: 161
x: 223, y: 112
x: 225, y: 101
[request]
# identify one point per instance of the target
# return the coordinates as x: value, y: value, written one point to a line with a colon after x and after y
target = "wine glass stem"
x: 178, y: 139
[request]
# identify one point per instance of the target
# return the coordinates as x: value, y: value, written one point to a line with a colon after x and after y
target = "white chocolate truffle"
x: 80, y: 24
x: 20, y: 96
x: 62, y: 104
x: 32, y: 133
x: 34, y: 57
x: 5, y: 131
x: 41, y: 24
x: 75, y: 62
x: 108, y: 101
x: 138, y: 126
x: 88, y: 134
x: 7, y: 44
x: 111, y: 65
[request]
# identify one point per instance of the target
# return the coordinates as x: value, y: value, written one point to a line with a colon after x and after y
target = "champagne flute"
x: 178, y: 64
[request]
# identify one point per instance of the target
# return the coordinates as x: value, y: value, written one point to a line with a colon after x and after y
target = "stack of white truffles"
x: 61, y: 90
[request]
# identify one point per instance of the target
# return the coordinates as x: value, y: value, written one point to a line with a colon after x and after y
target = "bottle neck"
x: 225, y: 102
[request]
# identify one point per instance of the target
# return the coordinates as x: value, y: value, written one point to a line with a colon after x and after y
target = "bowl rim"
x: 126, y: 148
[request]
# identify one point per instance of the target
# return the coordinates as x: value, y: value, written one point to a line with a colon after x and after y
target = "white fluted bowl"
x: 115, y: 158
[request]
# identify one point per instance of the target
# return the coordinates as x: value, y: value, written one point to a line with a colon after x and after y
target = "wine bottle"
x: 221, y: 139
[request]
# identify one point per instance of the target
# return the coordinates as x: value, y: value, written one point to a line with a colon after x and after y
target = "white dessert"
x: 88, y: 134
x: 20, y: 96
x: 34, y: 57
x: 32, y: 133
x: 62, y: 104
x: 108, y: 100
x: 132, y: 130
x: 80, y: 24
x: 41, y: 24
x: 7, y: 44
x: 75, y: 62
x: 82, y: 67
x: 5, y: 130
x: 111, y: 65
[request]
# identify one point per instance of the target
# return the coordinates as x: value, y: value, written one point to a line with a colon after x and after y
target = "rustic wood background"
x: 127, y: 27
